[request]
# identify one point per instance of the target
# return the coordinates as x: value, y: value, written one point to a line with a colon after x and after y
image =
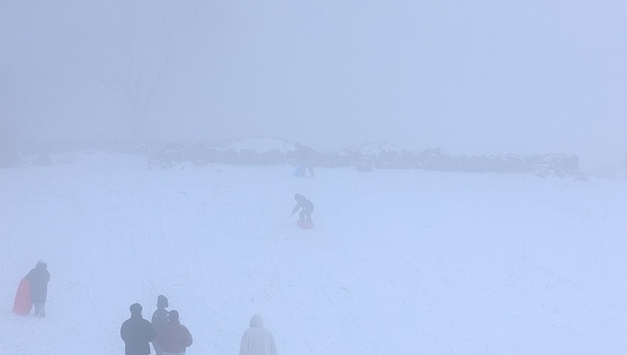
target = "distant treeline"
x: 364, y: 157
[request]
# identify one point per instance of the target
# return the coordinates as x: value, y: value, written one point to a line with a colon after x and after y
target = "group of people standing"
x: 165, y: 331
x: 169, y: 337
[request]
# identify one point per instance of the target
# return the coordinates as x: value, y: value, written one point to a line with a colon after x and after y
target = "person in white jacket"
x: 257, y: 340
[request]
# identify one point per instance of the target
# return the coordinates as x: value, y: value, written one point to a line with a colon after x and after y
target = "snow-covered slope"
x: 400, y: 261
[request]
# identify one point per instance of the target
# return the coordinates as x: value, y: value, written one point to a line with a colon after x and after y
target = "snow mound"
x: 374, y: 149
x: 261, y: 145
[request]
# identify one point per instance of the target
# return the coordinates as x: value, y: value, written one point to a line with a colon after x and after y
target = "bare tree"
x: 140, y: 86
x: 147, y: 60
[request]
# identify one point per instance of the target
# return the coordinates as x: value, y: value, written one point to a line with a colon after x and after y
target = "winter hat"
x: 297, y: 196
x: 136, y: 308
x: 162, y: 301
x: 41, y: 265
x: 173, y: 315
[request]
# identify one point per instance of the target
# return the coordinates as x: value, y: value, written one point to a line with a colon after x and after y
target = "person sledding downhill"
x: 305, y: 213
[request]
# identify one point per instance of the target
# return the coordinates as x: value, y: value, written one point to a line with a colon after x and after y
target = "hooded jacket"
x: 257, y: 340
x: 174, y: 337
x: 39, y: 278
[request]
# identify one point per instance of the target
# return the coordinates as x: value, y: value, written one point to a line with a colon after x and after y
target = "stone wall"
x: 364, y: 158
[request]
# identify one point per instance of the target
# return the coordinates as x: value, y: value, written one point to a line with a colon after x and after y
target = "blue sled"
x: 299, y: 172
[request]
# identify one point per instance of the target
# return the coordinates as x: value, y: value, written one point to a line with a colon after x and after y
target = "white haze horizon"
x: 486, y: 77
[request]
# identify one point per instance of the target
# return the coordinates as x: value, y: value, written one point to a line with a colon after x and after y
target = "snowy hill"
x: 400, y: 261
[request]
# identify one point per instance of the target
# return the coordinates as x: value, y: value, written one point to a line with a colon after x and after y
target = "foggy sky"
x: 468, y: 77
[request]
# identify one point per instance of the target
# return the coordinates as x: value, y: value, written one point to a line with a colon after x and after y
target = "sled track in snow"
x: 288, y: 319
x: 98, y: 251
x: 345, y: 320
x: 317, y: 278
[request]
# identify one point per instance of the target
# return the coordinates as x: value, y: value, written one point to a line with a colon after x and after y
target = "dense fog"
x: 469, y: 78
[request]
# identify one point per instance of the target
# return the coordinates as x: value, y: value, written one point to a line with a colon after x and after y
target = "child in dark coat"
x: 307, y: 208
x: 39, y: 278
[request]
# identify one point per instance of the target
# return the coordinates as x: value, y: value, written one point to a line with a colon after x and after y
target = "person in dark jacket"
x: 305, y: 157
x: 39, y: 278
x: 307, y: 208
x: 175, y: 337
x: 137, y: 332
x: 160, y: 320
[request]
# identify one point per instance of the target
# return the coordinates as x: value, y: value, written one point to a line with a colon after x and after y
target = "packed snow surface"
x: 400, y: 261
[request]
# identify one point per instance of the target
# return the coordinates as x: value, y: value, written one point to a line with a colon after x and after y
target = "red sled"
x: 23, y: 303
x: 304, y: 225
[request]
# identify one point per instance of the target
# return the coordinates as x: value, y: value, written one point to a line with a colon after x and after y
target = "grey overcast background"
x: 469, y: 77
